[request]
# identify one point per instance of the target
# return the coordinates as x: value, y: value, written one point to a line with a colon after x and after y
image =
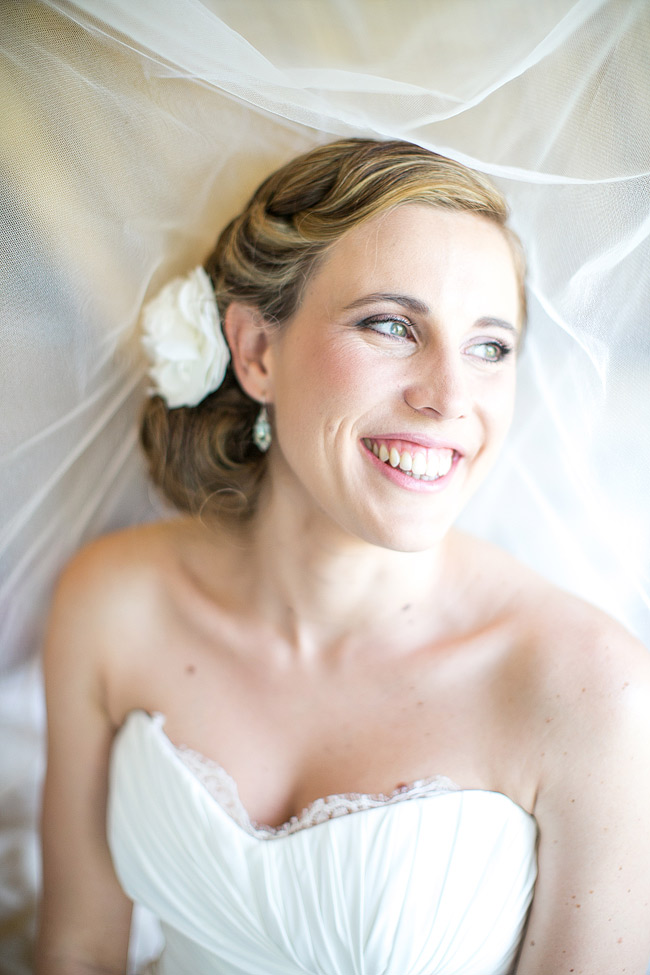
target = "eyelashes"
x: 491, y: 351
x: 395, y: 328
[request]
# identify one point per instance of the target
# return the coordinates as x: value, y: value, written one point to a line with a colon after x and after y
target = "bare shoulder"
x: 589, y: 668
x: 565, y: 638
x: 129, y: 605
x: 125, y: 572
x: 110, y: 595
x: 98, y: 568
x: 579, y: 675
x: 586, y: 683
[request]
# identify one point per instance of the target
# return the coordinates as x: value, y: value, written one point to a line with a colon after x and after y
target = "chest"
x: 290, y: 732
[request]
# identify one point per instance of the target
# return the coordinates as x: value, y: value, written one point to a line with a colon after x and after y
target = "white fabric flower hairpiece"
x: 183, y: 339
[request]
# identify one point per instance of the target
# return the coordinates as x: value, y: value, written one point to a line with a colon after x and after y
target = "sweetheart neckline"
x: 438, y: 785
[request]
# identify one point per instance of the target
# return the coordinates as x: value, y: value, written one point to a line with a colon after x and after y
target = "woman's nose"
x: 440, y: 386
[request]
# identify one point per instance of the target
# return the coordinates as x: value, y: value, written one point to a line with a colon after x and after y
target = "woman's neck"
x: 319, y: 585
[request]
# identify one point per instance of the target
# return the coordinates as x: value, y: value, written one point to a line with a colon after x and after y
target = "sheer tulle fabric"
x: 133, y: 131
x: 413, y: 885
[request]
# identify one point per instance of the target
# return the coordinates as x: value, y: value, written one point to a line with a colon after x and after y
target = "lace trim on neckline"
x: 223, y: 788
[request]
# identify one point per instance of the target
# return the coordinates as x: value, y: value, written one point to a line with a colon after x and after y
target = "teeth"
x: 433, y: 462
x: 419, y: 465
x: 425, y: 465
x: 445, y: 464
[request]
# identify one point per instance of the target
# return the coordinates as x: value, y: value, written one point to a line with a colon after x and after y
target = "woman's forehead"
x: 418, y: 249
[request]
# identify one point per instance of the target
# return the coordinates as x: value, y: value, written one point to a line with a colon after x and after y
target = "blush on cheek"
x: 337, y: 360
x: 348, y: 370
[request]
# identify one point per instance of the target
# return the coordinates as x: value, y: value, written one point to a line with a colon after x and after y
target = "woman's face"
x: 393, y: 384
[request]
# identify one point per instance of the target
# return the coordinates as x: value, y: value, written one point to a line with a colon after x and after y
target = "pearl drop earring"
x: 262, y: 434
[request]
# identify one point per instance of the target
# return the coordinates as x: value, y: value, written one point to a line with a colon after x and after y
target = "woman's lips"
x: 418, y: 461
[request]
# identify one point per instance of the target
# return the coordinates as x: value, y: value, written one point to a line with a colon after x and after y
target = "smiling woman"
x: 329, y: 732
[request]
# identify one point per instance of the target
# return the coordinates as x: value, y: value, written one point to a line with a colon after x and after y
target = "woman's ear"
x: 248, y: 337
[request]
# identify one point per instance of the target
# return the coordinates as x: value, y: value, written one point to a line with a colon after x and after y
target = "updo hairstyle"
x: 203, y: 457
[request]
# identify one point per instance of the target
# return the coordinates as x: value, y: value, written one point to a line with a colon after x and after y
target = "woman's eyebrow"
x: 407, y: 301
x: 496, y: 322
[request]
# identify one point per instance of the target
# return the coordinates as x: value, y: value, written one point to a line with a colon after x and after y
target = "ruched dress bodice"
x: 434, y: 881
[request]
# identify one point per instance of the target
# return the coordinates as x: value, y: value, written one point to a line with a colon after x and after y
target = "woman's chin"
x: 400, y: 535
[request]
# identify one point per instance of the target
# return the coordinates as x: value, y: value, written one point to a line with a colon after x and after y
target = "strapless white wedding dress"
x: 432, y: 880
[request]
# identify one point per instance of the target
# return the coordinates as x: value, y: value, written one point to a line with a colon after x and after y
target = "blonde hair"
x: 203, y: 457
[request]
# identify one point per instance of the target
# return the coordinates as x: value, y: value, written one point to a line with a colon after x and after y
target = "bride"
x: 440, y: 759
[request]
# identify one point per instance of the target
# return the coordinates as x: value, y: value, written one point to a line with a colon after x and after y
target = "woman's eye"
x: 389, y: 326
x: 490, y: 351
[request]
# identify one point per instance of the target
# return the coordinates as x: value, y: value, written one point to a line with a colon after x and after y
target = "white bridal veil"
x: 133, y: 129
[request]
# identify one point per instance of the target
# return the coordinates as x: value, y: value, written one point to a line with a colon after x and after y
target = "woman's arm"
x: 85, y: 917
x: 591, y: 911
